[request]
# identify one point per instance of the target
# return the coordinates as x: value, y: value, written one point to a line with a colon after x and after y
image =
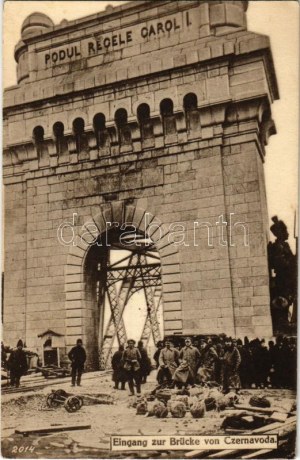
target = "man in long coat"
x: 118, y: 371
x: 78, y: 357
x: 145, y: 362
x: 210, y: 358
x: 189, y: 362
x: 231, y: 364
x: 168, y: 362
x: 17, y: 364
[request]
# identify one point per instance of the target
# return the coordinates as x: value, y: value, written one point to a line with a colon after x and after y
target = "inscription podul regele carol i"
x: 115, y: 40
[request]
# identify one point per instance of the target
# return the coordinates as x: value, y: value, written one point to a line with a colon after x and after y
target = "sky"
x: 277, y: 19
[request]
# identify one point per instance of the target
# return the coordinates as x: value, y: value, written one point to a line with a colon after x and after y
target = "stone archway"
x: 82, y: 316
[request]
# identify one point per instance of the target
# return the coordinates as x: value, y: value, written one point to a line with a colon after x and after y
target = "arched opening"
x: 122, y: 274
x: 143, y: 115
x: 100, y: 129
x: 78, y: 131
x: 58, y: 132
x: 190, y: 104
x: 38, y: 139
x: 124, y: 132
x: 168, y: 117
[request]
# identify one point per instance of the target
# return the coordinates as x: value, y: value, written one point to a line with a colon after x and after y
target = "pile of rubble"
x: 242, y: 413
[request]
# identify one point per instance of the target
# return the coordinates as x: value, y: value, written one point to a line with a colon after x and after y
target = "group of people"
x: 226, y: 361
x: 229, y: 362
x: 15, y: 361
x: 131, y: 365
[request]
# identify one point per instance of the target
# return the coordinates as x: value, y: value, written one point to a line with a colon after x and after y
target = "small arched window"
x: 38, y: 139
x: 190, y: 104
x: 124, y: 132
x: 78, y: 131
x: 58, y: 132
x: 143, y: 115
x: 100, y: 129
x: 166, y: 111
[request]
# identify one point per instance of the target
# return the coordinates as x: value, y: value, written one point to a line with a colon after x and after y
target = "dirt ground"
x: 29, y: 411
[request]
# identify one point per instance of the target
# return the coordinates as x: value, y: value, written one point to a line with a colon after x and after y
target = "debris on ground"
x: 52, y: 429
x: 113, y: 412
x: 53, y: 372
x: 259, y: 401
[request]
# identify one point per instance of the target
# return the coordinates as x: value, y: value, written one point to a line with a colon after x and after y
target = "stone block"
x: 172, y: 315
x: 261, y: 320
x: 175, y: 325
x: 172, y: 306
x: 217, y: 14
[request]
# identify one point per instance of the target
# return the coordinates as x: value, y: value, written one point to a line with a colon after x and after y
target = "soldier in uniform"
x: 168, y: 361
x: 132, y: 359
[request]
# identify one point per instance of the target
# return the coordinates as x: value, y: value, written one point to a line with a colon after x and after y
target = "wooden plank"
x: 223, y: 453
x: 196, y: 453
x: 257, y: 453
x: 279, y: 416
x: 54, y: 429
x: 263, y: 410
x: 274, y: 426
x: 268, y: 429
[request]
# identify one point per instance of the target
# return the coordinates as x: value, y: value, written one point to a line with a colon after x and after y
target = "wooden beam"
x: 257, y: 453
x: 53, y: 429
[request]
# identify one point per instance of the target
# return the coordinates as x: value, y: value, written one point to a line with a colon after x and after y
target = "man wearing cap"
x: 78, y: 357
x: 231, y: 364
x: 17, y: 364
x: 132, y: 359
x: 190, y: 359
x: 168, y: 361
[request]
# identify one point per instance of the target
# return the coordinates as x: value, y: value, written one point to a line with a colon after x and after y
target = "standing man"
x: 159, y: 346
x: 190, y: 359
x: 132, y: 359
x: 117, y: 365
x: 17, y: 364
x: 78, y: 357
x: 168, y: 361
x: 145, y: 362
x: 209, y: 360
x: 231, y: 364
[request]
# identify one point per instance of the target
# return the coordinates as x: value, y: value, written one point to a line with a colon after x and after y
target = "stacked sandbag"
x: 259, y: 401
x: 142, y: 408
x: 198, y: 409
x: 215, y: 393
x: 228, y: 400
x: 183, y: 398
x: 161, y: 410
x: 196, y: 391
x: 177, y: 409
x: 152, y: 405
x: 210, y: 403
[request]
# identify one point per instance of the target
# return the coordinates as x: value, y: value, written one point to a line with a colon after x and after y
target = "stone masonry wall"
x: 195, y: 171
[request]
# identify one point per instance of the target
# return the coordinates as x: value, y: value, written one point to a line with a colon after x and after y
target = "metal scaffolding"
x: 139, y: 270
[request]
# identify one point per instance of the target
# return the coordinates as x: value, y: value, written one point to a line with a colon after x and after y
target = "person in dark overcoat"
x: 17, y: 364
x: 145, y: 362
x: 119, y: 375
x: 231, y: 364
x: 78, y: 357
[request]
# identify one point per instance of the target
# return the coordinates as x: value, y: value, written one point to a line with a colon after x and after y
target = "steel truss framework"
x: 140, y: 270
